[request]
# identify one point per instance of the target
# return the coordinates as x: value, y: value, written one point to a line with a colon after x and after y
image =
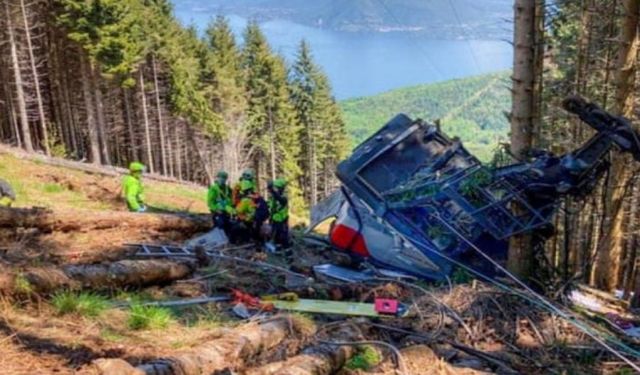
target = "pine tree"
x: 222, y: 72
x: 323, y: 135
x: 258, y: 64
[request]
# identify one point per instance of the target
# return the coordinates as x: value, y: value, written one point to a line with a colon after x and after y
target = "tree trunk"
x: 11, y: 113
x: 608, y: 262
x: 321, y: 359
x: 145, y: 115
x: 133, y: 145
x: 120, y: 274
x: 226, y: 352
x: 36, y: 81
x: 272, y: 146
x: 17, y: 76
x: 69, y: 221
x: 94, y: 143
x: 100, y: 121
x: 313, y: 171
x: 523, y: 111
x: 163, y: 155
x: 630, y: 260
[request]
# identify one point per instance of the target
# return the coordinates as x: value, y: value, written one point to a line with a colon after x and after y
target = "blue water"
x: 363, y: 64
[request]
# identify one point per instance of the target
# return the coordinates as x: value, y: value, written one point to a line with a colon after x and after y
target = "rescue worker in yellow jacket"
x: 132, y: 188
x: 219, y: 202
x: 251, y: 212
x: 7, y: 195
x: 247, y: 175
x: 279, y: 213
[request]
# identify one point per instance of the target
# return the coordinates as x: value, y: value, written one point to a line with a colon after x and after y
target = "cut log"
x: 226, y: 352
x: 119, y: 274
x: 316, y: 360
x: 321, y: 359
x: 70, y: 220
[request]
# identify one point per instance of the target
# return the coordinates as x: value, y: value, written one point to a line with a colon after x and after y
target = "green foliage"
x: 471, y: 109
x: 239, y: 99
x: 119, y: 35
x: 85, y: 304
x: 149, y: 317
x: 469, y: 187
x: 273, y: 127
x: 366, y: 358
x: 323, y: 136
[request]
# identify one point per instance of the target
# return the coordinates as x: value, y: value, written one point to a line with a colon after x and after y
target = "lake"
x: 363, y: 64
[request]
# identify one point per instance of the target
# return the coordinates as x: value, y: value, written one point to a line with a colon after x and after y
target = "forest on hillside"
x: 114, y: 81
x: 472, y: 109
x: 586, y: 48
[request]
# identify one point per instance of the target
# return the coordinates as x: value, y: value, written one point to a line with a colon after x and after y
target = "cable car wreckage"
x: 414, y: 200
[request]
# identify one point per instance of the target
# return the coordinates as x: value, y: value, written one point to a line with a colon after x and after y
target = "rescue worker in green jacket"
x: 219, y: 202
x: 7, y: 195
x: 279, y: 213
x: 251, y: 211
x: 132, y: 188
x: 247, y: 175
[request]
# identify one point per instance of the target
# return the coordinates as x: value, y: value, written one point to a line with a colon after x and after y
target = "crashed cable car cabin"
x: 416, y: 201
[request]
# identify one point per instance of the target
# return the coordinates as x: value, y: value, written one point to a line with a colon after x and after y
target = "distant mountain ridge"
x: 444, y: 19
x: 470, y: 108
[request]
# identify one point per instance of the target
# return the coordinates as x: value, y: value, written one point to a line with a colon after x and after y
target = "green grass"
x: 366, y: 358
x: 84, y: 304
x: 149, y: 317
x: 52, y: 188
x: 31, y: 181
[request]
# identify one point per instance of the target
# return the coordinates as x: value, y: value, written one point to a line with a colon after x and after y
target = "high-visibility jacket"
x: 278, y: 207
x: 246, y: 209
x: 236, y: 193
x: 219, y: 198
x: 133, y: 192
x: 252, y: 208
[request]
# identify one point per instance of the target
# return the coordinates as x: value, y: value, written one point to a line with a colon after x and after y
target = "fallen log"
x: 226, y: 352
x: 118, y: 274
x: 73, y: 220
x: 316, y: 360
x: 321, y: 359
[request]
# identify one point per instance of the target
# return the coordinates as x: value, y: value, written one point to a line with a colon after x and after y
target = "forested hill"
x: 114, y: 81
x: 470, y: 108
x: 441, y: 19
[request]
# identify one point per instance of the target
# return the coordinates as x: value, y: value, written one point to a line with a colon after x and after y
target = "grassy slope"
x: 41, y: 185
x: 470, y: 108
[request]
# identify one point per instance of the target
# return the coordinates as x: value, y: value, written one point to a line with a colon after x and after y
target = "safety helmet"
x: 246, y: 186
x: 136, y: 167
x: 279, y: 183
x: 222, y: 175
x: 248, y: 174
